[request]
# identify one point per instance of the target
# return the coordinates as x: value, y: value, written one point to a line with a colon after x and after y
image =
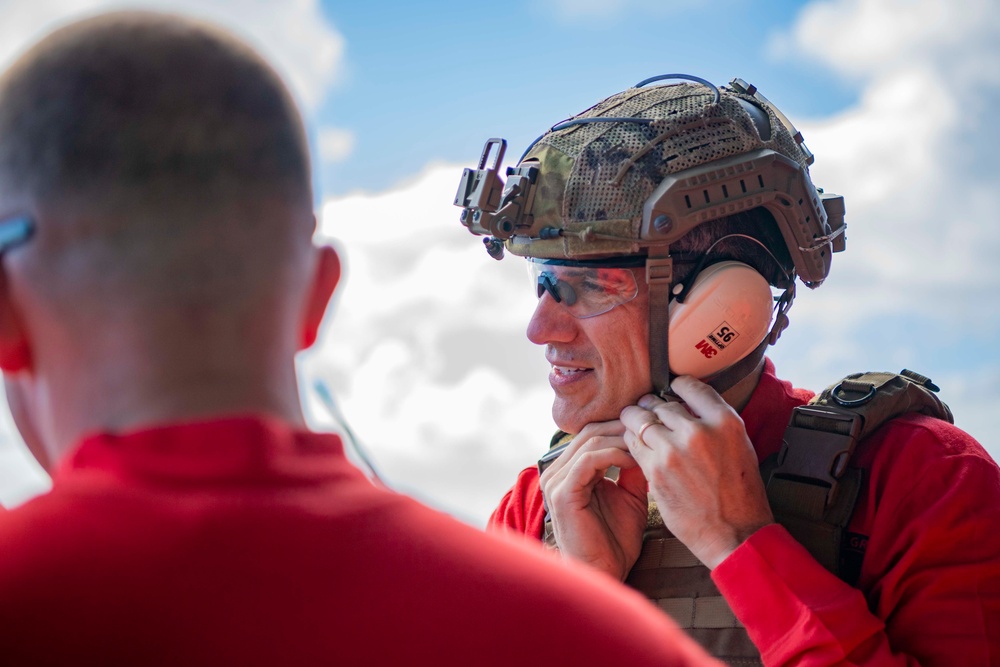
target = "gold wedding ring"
x: 642, y: 429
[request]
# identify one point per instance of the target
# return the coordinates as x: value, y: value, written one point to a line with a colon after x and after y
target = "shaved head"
x: 162, y: 155
x: 147, y: 106
x: 172, y: 270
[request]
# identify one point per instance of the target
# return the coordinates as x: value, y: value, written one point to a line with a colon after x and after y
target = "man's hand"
x: 701, y: 467
x: 597, y: 520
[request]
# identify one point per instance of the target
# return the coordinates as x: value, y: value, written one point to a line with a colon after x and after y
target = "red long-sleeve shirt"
x: 246, y: 542
x: 927, y: 523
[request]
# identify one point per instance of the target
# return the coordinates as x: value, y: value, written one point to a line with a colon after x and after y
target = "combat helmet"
x: 637, y: 171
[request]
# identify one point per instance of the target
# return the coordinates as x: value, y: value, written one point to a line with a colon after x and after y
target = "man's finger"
x: 638, y: 419
x: 594, y: 430
x: 633, y: 481
x: 558, y: 468
x: 586, y: 471
x: 700, y: 398
x: 597, y: 435
x: 590, y: 467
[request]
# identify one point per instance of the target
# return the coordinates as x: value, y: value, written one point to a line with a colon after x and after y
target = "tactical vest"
x: 812, y: 490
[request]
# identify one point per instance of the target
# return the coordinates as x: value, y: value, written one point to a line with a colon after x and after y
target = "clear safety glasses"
x: 585, y: 291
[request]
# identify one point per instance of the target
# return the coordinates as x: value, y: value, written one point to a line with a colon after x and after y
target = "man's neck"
x: 159, y: 394
x: 739, y: 394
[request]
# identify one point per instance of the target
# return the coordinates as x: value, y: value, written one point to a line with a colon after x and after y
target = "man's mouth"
x: 568, y: 370
x: 566, y: 376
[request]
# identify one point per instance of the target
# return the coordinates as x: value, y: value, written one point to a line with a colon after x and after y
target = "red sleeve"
x: 931, y: 572
x: 521, y: 510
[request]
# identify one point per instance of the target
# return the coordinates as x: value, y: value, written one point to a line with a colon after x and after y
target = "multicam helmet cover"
x: 640, y: 169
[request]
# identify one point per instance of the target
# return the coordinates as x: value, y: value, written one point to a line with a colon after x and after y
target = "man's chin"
x: 571, y: 418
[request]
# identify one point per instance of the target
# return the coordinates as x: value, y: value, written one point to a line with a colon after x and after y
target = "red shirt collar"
x: 238, y: 448
x: 766, y: 415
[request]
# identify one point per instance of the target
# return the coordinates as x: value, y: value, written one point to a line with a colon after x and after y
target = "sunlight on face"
x: 599, y: 364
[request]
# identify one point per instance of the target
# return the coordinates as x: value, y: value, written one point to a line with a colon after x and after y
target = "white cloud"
x: 865, y: 38
x: 910, y: 154
x: 293, y: 35
x: 425, y: 347
x: 915, y: 159
x: 335, y: 144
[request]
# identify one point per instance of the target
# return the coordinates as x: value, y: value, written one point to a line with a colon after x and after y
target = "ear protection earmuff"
x: 724, y: 316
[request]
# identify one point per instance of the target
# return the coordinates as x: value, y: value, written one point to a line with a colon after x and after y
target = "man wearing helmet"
x: 665, y: 229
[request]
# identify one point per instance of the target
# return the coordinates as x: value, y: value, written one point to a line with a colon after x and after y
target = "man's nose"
x: 551, y: 322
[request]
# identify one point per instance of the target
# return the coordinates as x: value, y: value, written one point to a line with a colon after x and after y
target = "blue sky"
x: 424, y: 348
x: 433, y: 79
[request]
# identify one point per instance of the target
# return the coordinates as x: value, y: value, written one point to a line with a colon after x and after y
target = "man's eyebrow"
x: 575, y: 272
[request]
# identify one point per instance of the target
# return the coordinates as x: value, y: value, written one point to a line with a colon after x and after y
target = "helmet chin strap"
x: 660, y: 279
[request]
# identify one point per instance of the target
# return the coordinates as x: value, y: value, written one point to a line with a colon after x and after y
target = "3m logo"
x: 706, y: 348
x: 723, y: 335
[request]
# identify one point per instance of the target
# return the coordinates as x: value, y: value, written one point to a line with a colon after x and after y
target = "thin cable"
x: 585, y: 121
x: 326, y: 398
x: 599, y: 119
x: 686, y: 288
x: 685, y: 77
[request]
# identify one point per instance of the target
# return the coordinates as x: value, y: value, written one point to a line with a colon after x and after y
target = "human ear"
x: 15, y: 354
x: 325, y: 279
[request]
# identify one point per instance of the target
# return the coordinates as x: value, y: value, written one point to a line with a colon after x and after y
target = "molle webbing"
x: 811, y: 489
x: 676, y: 581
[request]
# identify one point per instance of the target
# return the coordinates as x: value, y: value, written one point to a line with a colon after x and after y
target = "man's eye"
x: 567, y: 296
x: 608, y: 287
x: 590, y: 286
